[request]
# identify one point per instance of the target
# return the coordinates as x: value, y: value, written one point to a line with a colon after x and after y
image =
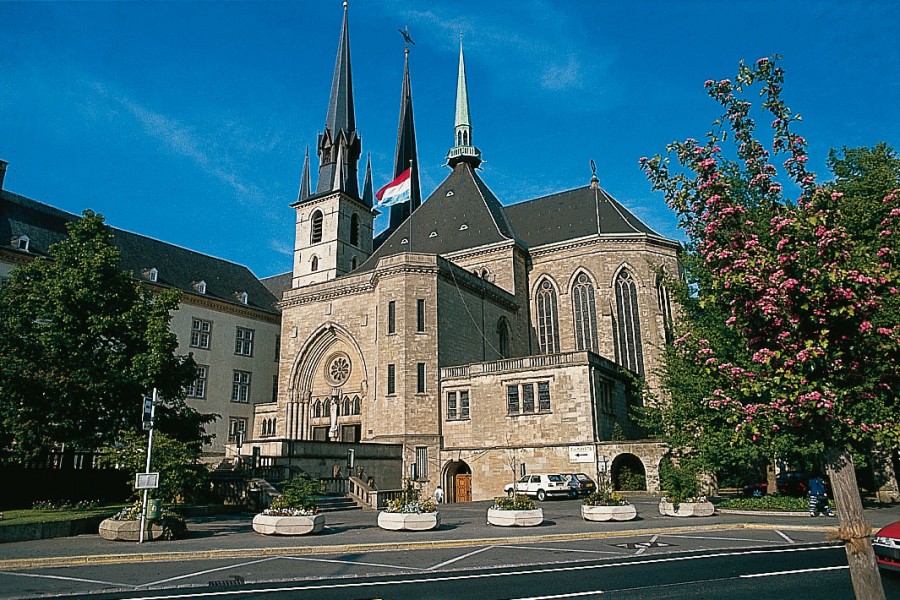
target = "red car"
x: 886, y: 544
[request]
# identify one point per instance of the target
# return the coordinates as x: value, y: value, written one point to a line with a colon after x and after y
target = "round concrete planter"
x: 515, y: 518
x: 409, y: 521
x: 274, y: 525
x: 625, y: 512
x: 687, y: 509
x: 129, y: 531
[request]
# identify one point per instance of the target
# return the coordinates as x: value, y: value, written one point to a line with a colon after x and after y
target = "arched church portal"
x: 628, y: 473
x: 457, y: 482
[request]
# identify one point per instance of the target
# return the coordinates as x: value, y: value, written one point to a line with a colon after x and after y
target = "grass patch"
x: 772, y: 503
x: 31, y: 516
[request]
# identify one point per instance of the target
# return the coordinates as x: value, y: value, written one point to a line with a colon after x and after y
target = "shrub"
x: 410, y: 501
x: 604, y: 497
x: 518, y: 502
x: 299, y: 496
x: 773, y: 502
x: 629, y: 479
x: 680, y: 483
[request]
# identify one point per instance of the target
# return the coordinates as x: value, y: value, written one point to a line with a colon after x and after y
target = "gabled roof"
x: 572, y: 214
x: 461, y: 213
x: 177, y: 267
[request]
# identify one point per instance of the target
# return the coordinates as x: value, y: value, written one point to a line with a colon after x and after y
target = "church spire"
x: 304, y: 179
x: 339, y: 141
x: 464, y: 150
x: 406, y: 155
x: 368, y: 194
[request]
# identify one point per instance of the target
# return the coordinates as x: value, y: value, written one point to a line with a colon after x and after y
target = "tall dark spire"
x: 368, y: 194
x: 339, y: 141
x: 406, y: 154
x: 463, y: 150
x: 304, y: 179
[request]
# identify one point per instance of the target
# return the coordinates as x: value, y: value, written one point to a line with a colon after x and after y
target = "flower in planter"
x: 518, y: 502
x: 410, y: 502
x: 172, y: 523
x: 605, y: 497
x: 297, y: 499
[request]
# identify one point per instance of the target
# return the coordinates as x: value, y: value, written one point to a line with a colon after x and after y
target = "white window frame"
x: 240, y: 386
x: 201, y: 333
x: 243, y: 341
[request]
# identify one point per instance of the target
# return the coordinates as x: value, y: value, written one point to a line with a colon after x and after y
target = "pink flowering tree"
x: 816, y: 356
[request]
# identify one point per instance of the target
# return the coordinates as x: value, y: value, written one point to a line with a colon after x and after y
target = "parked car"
x: 789, y: 483
x: 886, y: 544
x: 539, y: 485
x: 579, y: 484
x: 755, y: 490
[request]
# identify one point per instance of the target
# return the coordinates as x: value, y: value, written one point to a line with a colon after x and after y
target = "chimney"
x: 3, y: 164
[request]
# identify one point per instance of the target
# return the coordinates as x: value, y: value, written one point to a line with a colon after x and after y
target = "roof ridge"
x: 472, y: 174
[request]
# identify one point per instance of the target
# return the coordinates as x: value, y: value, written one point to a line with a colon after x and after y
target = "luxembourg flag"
x: 396, y: 191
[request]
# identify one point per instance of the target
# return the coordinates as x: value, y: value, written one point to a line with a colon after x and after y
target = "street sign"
x: 146, y: 481
x: 581, y: 454
x: 148, y: 413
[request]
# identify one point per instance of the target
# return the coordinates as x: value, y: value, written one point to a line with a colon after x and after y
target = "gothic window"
x: 317, y: 409
x: 465, y: 138
x: 548, y: 324
x: 459, y: 138
x: 584, y: 313
x: 314, y: 264
x: 353, y: 263
x: 354, y: 229
x: 357, y: 405
x: 420, y: 315
x: 627, y: 324
x: 503, y: 335
x: 665, y: 309
x: 315, y: 235
x: 392, y: 317
x: 346, y: 409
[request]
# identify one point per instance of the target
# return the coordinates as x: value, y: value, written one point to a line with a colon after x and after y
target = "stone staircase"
x: 337, y: 503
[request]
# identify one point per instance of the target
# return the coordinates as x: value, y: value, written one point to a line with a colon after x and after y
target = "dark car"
x: 579, y: 484
x: 755, y: 490
x: 796, y: 483
x: 886, y: 544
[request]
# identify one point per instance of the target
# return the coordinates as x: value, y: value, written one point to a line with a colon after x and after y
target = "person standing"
x: 438, y: 495
x: 818, y: 500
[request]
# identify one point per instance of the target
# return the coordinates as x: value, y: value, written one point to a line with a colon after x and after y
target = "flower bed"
x: 606, y: 505
x: 520, y: 511
x: 125, y: 526
x: 294, y: 512
x: 409, y: 512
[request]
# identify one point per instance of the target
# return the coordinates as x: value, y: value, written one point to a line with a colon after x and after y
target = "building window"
x: 243, y: 297
x: 277, y: 347
x: 584, y: 313
x: 317, y: 409
x: 525, y: 392
x: 353, y: 263
x: 528, y: 398
x: 23, y: 243
x: 200, y: 287
x: 464, y: 404
x: 503, y: 337
x: 274, y: 388
x: 665, y: 309
x: 512, y: 399
x: 315, y: 235
x: 392, y: 317
x: 314, y: 264
x: 451, y: 406
x: 243, y: 343
x: 200, y: 333
x: 604, y: 394
x: 354, y: 229
x: 420, y: 378
x: 357, y: 405
x: 627, y: 324
x: 391, y: 380
x: 548, y: 325
x: 420, y: 315
x: 236, y: 427
x: 240, y: 389
x: 197, y: 388
x: 421, y: 462
x: 346, y: 406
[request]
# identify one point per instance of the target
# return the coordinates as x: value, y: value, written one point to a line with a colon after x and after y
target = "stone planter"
x: 129, y: 531
x: 409, y: 521
x: 687, y: 509
x: 625, y: 512
x: 515, y: 518
x: 275, y: 525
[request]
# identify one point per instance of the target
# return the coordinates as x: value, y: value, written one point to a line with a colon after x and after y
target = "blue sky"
x: 188, y: 121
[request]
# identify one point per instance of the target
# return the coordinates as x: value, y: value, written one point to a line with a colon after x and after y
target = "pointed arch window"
x: 627, y: 324
x: 346, y: 408
x: 317, y: 409
x: 314, y: 263
x: 315, y: 234
x: 353, y: 263
x: 665, y: 309
x: 459, y: 138
x: 357, y: 405
x: 548, y: 321
x: 503, y: 336
x: 584, y: 314
x: 354, y: 229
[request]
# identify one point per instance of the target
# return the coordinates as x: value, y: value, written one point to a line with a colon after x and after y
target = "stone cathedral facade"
x: 484, y: 339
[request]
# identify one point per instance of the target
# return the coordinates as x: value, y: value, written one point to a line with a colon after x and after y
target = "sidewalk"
x: 231, y: 536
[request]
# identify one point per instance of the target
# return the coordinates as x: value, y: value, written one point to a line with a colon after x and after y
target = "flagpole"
x: 410, y: 206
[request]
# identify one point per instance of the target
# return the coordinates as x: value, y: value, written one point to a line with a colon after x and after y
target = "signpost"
x: 582, y: 454
x: 147, y: 480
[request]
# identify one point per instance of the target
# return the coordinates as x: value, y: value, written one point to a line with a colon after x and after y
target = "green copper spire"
x: 464, y: 150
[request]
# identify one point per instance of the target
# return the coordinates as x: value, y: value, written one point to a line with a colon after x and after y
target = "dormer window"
x: 151, y: 274
x: 243, y: 297
x: 22, y: 243
x: 200, y: 287
x: 463, y: 227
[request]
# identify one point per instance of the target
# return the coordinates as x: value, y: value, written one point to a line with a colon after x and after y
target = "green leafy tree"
x: 82, y: 342
x: 802, y: 304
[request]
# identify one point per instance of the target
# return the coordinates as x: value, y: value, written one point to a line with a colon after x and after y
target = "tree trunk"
x: 771, y: 481
x: 854, y: 531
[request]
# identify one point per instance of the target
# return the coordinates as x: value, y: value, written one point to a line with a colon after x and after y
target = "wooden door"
x: 464, y: 487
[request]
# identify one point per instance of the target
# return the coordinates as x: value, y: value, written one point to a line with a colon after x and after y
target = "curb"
x: 108, y: 559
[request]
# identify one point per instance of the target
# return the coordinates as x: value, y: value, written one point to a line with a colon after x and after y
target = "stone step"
x: 336, y: 503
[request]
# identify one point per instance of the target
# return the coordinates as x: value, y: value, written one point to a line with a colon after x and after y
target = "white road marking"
x: 37, y: 576
x: 351, y: 562
x: 644, y: 548
x: 575, y: 568
x: 777, y: 573
x: 726, y: 539
x: 561, y: 550
x: 784, y: 536
x: 572, y: 595
x: 207, y: 571
x: 458, y: 558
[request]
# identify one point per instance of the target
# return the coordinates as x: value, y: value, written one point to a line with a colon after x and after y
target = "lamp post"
x: 148, y: 424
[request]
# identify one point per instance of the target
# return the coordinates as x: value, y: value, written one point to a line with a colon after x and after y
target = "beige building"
x: 482, y: 338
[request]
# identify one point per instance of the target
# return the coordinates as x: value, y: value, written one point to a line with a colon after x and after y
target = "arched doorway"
x: 628, y: 473
x: 457, y: 482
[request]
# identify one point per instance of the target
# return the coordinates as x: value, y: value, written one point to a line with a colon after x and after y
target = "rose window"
x: 339, y: 368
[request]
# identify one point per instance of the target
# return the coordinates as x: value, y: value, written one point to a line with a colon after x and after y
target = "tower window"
x: 584, y: 313
x: 392, y: 317
x: 627, y: 324
x: 353, y: 263
x: 420, y: 378
x: 315, y: 235
x: 391, y: 380
x: 420, y: 315
x: 548, y: 324
x: 354, y: 229
x: 314, y: 264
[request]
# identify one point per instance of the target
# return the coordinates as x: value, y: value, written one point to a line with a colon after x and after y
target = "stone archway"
x: 628, y: 473
x: 457, y: 482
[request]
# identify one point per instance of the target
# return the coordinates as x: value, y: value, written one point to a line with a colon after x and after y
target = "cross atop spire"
x: 406, y: 155
x: 464, y: 150
x: 339, y: 139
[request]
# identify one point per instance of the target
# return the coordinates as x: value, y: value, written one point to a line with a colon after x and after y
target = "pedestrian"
x: 438, y: 495
x: 818, y: 500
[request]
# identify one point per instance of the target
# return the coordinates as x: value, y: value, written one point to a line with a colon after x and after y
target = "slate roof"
x: 278, y: 284
x: 177, y: 267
